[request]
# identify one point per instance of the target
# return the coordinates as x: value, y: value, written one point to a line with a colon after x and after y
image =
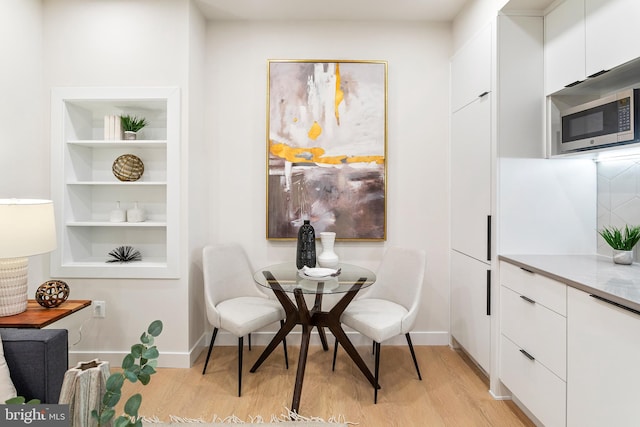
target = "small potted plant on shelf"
x: 622, y: 242
x: 131, y: 125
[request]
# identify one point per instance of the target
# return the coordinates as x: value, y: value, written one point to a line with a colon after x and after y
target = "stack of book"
x: 112, y: 127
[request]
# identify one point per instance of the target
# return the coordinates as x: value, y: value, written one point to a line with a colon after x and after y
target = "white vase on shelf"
x: 136, y: 214
x: 328, y: 258
x: 118, y: 214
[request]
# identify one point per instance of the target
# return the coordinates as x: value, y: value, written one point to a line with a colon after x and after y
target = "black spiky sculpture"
x: 125, y: 254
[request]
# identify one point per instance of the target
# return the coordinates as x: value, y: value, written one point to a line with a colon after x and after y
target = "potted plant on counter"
x: 622, y: 241
x: 131, y: 125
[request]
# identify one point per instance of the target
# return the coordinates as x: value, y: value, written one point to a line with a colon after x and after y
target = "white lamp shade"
x: 27, y: 227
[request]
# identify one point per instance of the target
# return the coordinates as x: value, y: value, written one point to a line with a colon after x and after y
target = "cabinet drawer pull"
x: 528, y: 271
x: 530, y: 357
x: 599, y: 73
x: 488, y: 292
x: 577, y: 82
x: 615, y: 303
x: 527, y: 299
x: 488, y: 237
x: 483, y: 94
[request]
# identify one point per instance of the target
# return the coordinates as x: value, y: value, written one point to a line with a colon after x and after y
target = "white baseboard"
x: 173, y: 359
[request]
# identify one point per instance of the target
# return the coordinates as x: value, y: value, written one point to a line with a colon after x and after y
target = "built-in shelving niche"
x: 85, y: 190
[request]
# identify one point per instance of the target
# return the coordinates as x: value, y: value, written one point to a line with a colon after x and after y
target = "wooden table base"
x: 308, y: 319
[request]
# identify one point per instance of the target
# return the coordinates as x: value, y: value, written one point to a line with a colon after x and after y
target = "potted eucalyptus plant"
x: 131, y: 125
x: 622, y: 242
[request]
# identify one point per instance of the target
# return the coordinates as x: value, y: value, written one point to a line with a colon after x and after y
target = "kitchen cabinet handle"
x: 483, y: 94
x: 528, y: 271
x: 527, y: 299
x: 488, y: 292
x: 577, y: 82
x: 488, y: 237
x: 599, y: 73
x: 530, y: 357
x: 615, y: 303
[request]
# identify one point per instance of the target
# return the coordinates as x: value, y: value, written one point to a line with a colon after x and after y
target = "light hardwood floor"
x: 452, y: 392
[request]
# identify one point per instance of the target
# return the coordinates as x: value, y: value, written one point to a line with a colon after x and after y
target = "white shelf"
x: 119, y: 143
x: 85, y: 190
x: 155, y: 224
x: 119, y: 183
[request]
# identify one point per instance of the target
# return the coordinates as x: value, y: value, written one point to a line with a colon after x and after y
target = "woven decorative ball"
x: 52, y: 293
x: 128, y: 167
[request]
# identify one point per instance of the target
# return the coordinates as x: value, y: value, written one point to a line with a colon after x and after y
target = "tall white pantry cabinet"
x: 497, y: 111
x: 85, y: 189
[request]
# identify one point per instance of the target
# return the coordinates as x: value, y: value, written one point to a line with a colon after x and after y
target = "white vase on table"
x: 328, y: 258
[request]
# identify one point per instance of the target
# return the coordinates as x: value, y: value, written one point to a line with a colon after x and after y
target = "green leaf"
x: 115, y: 382
x: 152, y: 363
x: 151, y: 353
x: 131, y: 376
x: 144, y: 378
x: 111, y: 398
x: 155, y: 328
x: 122, y: 421
x: 106, y: 416
x: 136, y: 350
x: 145, y: 338
x: 33, y: 402
x: 148, y: 369
x: 133, y: 404
x: 18, y: 400
x: 128, y: 361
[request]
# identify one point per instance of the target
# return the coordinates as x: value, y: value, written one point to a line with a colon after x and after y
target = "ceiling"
x: 333, y: 10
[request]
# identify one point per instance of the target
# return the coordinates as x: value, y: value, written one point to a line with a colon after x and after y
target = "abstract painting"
x: 326, y: 148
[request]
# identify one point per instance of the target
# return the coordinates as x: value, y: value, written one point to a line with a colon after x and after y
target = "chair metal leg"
x: 413, y: 355
x: 373, y: 347
x: 213, y: 338
x: 377, y: 369
x: 240, y: 345
x: 284, y: 344
x: 335, y: 353
x: 249, y: 341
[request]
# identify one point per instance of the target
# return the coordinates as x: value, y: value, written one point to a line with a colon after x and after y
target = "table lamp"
x: 27, y: 227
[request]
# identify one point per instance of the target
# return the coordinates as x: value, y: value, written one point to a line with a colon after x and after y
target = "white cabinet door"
x: 564, y: 45
x: 603, y: 352
x: 612, y: 33
x: 471, y: 70
x: 471, y: 178
x: 470, y: 311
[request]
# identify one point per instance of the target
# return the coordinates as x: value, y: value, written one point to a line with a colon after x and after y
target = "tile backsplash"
x: 618, y: 197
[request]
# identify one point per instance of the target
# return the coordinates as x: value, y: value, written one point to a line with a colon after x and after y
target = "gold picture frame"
x: 327, y: 148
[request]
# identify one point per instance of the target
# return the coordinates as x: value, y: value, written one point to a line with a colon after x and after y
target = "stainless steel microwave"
x: 605, y: 122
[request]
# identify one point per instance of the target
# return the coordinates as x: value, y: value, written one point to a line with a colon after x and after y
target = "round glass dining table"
x: 284, y: 280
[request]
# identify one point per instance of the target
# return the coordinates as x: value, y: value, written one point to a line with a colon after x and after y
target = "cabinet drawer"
x: 536, y: 329
x: 542, y: 392
x: 547, y: 292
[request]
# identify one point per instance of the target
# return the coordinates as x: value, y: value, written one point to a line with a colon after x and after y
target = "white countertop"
x: 595, y: 274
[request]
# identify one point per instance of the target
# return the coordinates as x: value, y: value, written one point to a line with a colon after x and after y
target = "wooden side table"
x: 38, y: 317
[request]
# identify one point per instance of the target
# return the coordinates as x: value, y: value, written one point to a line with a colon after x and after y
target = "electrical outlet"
x: 99, y: 309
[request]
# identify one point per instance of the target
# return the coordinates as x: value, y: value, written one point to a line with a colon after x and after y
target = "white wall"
x: 222, y: 76
x: 24, y: 171
x: 418, y: 104
x: 125, y: 43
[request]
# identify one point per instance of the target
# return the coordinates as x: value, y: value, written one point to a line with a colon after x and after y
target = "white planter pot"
x: 622, y: 257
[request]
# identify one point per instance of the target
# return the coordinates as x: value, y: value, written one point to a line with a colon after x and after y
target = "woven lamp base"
x: 13, y: 286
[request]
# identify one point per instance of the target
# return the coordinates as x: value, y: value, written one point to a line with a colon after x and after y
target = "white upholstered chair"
x: 232, y: 299
x: 389, y: 307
